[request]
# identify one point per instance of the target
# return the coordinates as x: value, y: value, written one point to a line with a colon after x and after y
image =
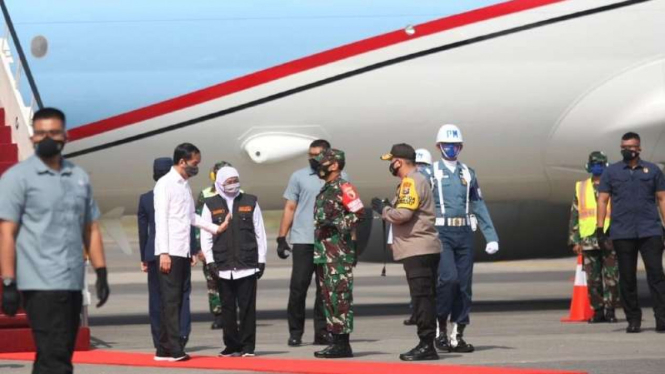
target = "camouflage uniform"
x: 337, y: 211
x: 600, y: 265
x: 214, y: 301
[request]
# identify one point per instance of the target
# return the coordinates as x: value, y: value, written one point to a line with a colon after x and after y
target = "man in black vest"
x: 236, y: 257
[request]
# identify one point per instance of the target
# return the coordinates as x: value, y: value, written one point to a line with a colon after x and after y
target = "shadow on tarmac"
x: 365, y: 310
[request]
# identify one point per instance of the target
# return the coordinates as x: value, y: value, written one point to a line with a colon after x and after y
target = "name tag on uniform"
x: 218, y: 212
x: 245, y: 209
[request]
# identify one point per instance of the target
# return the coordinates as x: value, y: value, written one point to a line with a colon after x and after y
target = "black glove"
x: 10, y: 299
x: 212, y: 269
x: 355, y: 252
x: 102, y: 286
x: 262, y: 268
x: 283, y: 249
x: 603, y: 240
x: 326, y: 223
x: 378, y: 205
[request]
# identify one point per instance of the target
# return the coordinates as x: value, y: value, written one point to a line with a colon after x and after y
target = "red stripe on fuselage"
x: 300, y: 65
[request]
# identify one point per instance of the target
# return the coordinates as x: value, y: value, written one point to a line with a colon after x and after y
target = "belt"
x: 452, y: 222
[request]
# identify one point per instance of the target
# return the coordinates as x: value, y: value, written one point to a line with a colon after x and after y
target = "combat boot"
x: 598, y: 317
x: 457, y: 343
x: 610, y: 316
x: 441, y: 342
x: 423, y: 351
x: 340, y: 348
x: 217, y: 324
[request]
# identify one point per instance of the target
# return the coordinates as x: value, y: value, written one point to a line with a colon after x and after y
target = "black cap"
x: 401, y: 150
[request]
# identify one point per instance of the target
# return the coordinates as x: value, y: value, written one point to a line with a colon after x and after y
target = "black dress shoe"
x: 462, y: 346
x: 610, y: 317
x: 410, y: 322
x: 633, y: 327
x: 294, y: 342
x: 598, y: 317
x: 422, y: 352
x: 323, y: 339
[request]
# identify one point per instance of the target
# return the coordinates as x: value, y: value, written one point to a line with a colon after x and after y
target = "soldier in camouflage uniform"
x: 600, y: 265
x: 213, y: 294
x: 337, y: 211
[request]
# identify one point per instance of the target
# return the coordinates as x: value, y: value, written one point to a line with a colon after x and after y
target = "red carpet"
x: 299, y: 366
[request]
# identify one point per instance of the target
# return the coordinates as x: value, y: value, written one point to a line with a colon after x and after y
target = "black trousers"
x: 155, y: 305
x: 301, y: 277
x: 421, y: 274
x: 239, y: 297
x: 172, y: 291
x: 54, y: 317
x: 651, y: 249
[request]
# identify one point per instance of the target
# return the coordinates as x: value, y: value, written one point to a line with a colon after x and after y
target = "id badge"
x: 473, y: 221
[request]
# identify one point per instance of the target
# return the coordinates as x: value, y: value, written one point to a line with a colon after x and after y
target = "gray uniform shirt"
x: 52, y: 209
x: 304, y: 185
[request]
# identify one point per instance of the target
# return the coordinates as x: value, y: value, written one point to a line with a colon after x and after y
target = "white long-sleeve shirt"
x: 261, y: 241
x: 175, y: 216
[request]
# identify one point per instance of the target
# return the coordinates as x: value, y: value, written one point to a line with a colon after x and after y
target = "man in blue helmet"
x: 460, y: 209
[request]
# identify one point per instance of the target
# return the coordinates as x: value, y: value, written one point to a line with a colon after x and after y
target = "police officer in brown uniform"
x: 415, y: 243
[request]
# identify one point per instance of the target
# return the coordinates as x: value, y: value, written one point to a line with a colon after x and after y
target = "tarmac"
x: 515, y: 320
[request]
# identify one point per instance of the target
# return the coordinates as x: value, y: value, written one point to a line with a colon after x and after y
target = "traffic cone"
x: 580, y: 307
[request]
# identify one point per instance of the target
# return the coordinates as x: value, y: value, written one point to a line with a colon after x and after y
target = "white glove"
x: 492, y: 248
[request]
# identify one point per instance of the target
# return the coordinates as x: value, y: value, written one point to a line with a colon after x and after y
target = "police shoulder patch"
x: 350, y: 198
x: 408, y: 195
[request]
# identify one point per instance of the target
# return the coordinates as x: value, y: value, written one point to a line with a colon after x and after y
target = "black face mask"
x: 313, y: 164
x: 323, y: 171
x: 393, y: 169
x: 191, y: 171
x: 629, y: 155
x: 49, y: 147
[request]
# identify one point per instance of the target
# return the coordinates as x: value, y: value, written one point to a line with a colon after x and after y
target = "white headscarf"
x: 223, y: 175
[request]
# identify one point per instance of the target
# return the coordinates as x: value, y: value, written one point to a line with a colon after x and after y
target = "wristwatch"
x: 7, y: 281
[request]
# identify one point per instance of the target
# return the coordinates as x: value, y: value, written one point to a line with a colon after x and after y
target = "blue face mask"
x: 596, y: 169
x: 450, y: 151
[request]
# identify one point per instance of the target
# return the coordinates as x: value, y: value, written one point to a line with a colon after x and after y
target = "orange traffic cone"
x: 580, y: 307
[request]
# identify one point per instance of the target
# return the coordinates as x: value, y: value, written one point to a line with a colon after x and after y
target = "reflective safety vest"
x: 587, y: 205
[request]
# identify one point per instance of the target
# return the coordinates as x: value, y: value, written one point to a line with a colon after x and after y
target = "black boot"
x: 457, y: 343
x: 598, y: 317
x: 340, y: 348
x: 323, y: 339
x: 423, y: 351
x: 441, y: 342
x: 634, y: 327
x: 610, y: 316
x: 217, y: 324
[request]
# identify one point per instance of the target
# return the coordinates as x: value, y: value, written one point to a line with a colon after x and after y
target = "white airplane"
x: 535, y: 86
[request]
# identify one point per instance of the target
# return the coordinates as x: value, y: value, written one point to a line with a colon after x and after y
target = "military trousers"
x: 651, y: 249
x: 214, y: 301
x: 453, y: 290
x: 602, y: 274
x: 337, y: 293
x: 421, y: 274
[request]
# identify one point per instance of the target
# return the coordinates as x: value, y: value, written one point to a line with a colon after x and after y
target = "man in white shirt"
x: 174, y: 217
x: 236, y: 258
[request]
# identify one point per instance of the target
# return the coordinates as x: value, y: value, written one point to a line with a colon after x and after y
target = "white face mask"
x: 232, y: 189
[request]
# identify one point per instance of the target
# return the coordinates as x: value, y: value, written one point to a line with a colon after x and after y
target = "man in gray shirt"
x: 298, y: 217
x: 48, y: 225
